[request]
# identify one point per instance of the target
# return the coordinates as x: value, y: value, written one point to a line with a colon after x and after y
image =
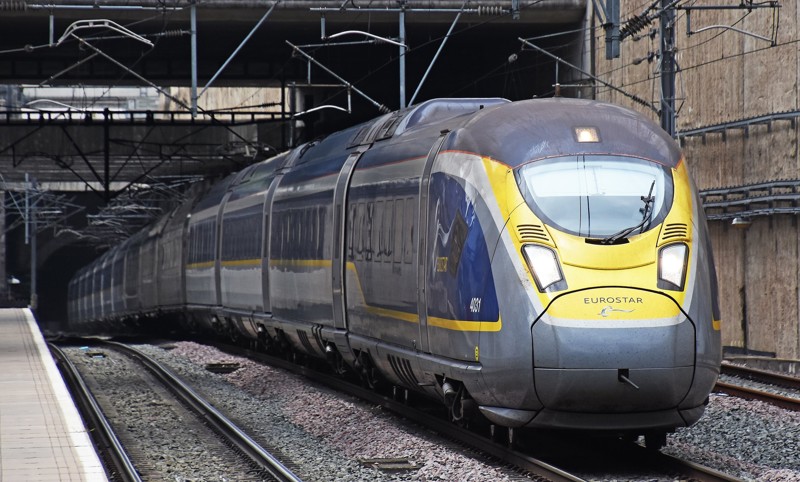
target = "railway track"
x: 690, y: 470
x: 533, y: 465
x: 524, y: 462
x: 761, y: 393
x: 258, y: 463
x: 110, y: 449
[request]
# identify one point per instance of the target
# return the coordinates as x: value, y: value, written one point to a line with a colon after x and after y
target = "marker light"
x: 586, y: 134
x: 672, y: 266
x: 543, y: 264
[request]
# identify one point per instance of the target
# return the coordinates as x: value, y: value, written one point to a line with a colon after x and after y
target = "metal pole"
x: 34, y: 296
x: 403, y: 50
x: 292, y: 109
x: 27, y: 209
x: 612, y: 32
x: 193, y: 28
x: 667, y: 31
x: 283, y: 111
x: 52, y: 30
x: 246, y: 39
x: 106, y: 153
x: 441, y: 46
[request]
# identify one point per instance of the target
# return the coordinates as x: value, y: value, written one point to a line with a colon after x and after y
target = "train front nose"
x: 612, y: 351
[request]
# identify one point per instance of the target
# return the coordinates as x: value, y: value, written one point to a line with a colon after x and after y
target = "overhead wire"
x: 455, y: 32
x: 485, y: 75
x: 93, y: 101
x: 493, y: 71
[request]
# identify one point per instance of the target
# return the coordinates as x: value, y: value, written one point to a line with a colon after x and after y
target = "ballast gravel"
x: 764, y: 387
x: 748, y: 439
x: 327, y: 435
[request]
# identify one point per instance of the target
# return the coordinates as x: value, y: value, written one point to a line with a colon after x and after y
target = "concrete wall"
x: 727, y: 76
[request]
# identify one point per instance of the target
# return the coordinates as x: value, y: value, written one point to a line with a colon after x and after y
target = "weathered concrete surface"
x: 727, y: 76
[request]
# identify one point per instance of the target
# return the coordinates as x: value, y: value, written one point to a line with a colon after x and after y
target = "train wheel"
x: 369, y: 375
x: 655, y: 440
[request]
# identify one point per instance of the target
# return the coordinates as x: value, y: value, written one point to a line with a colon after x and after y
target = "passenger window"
x: 368, y: 232
x: 351, y: 230
x: 377, y: 231
x: 298, y: 234
x: 320, y: 227
x: 388, y: 236
x: 359, y: 231
x: 408, y: 226
x: 266, y: 235
x: 398, y: 231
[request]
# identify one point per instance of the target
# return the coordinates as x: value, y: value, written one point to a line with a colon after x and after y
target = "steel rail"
x: 781, y: 401
x: 266, y: 461
x: 445, y: 428
x: 690, y: 470
x: 762, y: 376
x: 525, y: 462
x: 99, y: 427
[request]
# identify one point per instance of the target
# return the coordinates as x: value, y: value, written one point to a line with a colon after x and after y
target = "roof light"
x: 587, y: 134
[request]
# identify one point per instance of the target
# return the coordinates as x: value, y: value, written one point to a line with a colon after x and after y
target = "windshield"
x: 596, y: 196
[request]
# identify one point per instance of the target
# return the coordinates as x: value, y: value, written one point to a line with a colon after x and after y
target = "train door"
x: 267, y: 227
x: 422, y: 242
x: 284, y: 164
x: 218, y: 252
x: 339, y: 224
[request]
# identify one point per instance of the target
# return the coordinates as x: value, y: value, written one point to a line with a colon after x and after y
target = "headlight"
x: 544, y: 265
x: 672, y: 266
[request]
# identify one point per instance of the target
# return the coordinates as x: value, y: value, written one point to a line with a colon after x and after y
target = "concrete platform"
x: 42, y: 437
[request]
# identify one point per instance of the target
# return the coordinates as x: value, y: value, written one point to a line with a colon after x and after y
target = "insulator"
x: 13, y: 5
x: 490, y: 10
x: 634, y: 25
x: 172, y: 33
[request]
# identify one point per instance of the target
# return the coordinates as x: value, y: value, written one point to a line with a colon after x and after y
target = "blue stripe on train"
x: 460, y: 281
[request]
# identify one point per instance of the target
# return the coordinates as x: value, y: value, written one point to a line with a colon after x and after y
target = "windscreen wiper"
x: 647, y: 212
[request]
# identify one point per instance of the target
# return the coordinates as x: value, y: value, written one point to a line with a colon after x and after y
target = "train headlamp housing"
x: 587, y: 134
x: 545, y: 267
x: 672, y: 262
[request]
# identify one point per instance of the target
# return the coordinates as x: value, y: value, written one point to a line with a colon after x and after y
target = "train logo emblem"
x: 609, y: 309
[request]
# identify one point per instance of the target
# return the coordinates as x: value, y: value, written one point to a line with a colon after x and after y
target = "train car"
x: 171, y: 247
x: 104, y: 273
x: 117, y: 278
x: 202, y: 251
x: 131, y: 283
x: 543, y: 263
x: 75, y: 297
x: 149, y: 268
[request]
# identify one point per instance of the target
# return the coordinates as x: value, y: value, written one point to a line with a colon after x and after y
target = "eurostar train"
x: 544, y: 263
